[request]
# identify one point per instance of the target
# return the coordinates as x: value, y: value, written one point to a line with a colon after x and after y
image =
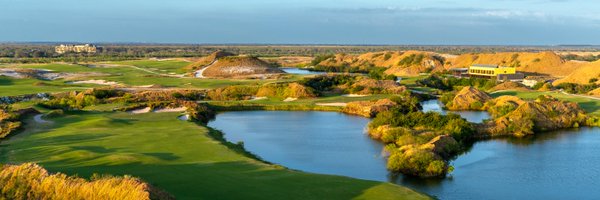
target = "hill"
x: 542, y: 63
x: 469, y: 98
x: 595, y: 92
x: 509, y: 86
x: 207, y: 60
x: 239, y: 67
x: 405, y: 63
x: 583, y: 74
x: 410, y: 63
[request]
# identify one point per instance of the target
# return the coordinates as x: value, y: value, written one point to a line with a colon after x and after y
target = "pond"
x: 472, y: 116
x: 557, y: 165
x: 301, y: 71
x: 319, y: 142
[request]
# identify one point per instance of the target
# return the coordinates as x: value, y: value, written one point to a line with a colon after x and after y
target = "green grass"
x: 164, y: 66
x: 12, y: 87
x: 411, y: 81
x: 177, y: 156
x: 591, y: 106
x: 121, y: 74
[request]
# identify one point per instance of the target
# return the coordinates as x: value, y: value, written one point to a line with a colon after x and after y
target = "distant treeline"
x: 44, y: 52
x: 589, y: 58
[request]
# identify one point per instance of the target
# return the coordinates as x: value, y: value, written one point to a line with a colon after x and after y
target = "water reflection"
x: 299, y: 71
x: 471, y: 116
x: 554, y: 165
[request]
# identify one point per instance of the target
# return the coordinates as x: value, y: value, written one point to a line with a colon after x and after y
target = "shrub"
x: 30, y: 181
x: 476, y: 105
x: 418, y: 162
x: 200, y: 112
x: 538, y: 85
x: 234, y: 92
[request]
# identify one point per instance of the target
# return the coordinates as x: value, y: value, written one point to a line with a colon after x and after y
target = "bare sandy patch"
x: 185, y: 117
x: 354, y: 95
x: 140, y: 111
x: 290, y: 99
x: 164, y: 110
x: 332, y: 104
x: 94, y: 81
x: 257, y: 98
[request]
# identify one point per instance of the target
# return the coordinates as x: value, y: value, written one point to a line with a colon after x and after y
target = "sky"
x: 387, y: 22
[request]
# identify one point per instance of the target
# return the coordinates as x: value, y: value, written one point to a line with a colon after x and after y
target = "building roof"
x: 486, y: 66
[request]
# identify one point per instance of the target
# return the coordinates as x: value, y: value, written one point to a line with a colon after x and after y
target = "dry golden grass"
x: 30, y: 181
x: 583, y: 74
x: 390, y: 59
x: 509, y: 86
x: 595, y: 92
x: 289, y: 61
x: 207, y: 60
x: 543, y: 63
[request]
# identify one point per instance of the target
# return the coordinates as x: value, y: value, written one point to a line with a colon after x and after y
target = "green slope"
x: 177, y: 156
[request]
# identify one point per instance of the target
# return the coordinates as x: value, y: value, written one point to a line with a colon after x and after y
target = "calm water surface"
x: 299, y: 71
x: 557, y: 165
x: 472, y: 116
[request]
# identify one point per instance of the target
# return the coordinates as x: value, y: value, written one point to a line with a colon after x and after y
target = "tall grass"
x: 30, y: 181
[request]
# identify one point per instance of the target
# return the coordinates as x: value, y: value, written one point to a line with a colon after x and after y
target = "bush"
x: 538, y: 85
x: 448, y: 83
x: 70, y: 102
x: 411, y: 160
x: 499, y: 111
x: 477, y: 105
x: 575, y: 88
x: 234, y: 92
x: 55, y: 113
x: 327, y: 82
x: 378, y: 73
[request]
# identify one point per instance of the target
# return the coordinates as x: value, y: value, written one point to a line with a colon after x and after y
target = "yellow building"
x: 490, y: 71
x: 86, y: 48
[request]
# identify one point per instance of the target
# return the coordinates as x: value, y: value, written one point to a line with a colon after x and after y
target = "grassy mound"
x: 30, y: 181
x: 542, y: 63
x: 595, y: 92
x: 544, y: 114
x: 368, y: 108
x: 285, y: 90
x: 207, y: 60
x: 589, y: 73
x: 407, y: 63
x: 239, y: 66
x: 469, y: 98
x: 509, y: 85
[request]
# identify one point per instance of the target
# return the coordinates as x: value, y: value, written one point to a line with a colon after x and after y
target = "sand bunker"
x: 332, y: 104
x: 164, y: 110
x: 139, y: 111
x: 257, y: 98
x: 290, y: 99
x: 185, y: 117
x: 98, y: 82
x: 159, y: 110
x: 354, y: 95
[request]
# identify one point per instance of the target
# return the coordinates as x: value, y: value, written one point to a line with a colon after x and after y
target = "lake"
x: 556, y: 165
x: 291, y: 70
x: 472, y: 116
